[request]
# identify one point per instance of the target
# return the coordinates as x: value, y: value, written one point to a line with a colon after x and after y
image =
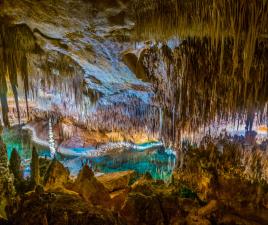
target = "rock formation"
x: 62, y: 209
x: 15, y: 164
x: 87, y: 201
x: 91, y: 189
x: 6, y: 180
x: 137, y: 70
x: 35, y: 170
x: 56, y: 176
x: 116, y: 181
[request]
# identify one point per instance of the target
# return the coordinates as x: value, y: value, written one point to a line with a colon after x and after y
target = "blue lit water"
x: 147, y: 157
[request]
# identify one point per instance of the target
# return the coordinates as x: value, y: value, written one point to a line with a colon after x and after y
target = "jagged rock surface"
x: 62, y: 209
x: 91, y: 189
x: 6, y: 180
x: 118, y: 180
x: 56, y: 176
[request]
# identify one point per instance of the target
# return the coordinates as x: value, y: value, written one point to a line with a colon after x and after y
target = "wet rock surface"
x: 64, y: 209
x: 118, y: 180
x: 56, y: 176
x: 91, y: 189
x: 146, y: 202
x: 74, y: 58
x: 74, y: 67
x: 118, y: 198
x: 199, y: 193
x: 141, y: 209
x: 6, y: 179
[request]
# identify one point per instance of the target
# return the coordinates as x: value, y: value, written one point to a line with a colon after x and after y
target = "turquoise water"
x: 157, y: 162
x: 21, y: 140
x: 148, y: 157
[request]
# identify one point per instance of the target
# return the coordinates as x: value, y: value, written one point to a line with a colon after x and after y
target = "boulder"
x: 91, y: 189
x: 142, y: 210
x: 56, y: 176
x: 202, y: 183
x: 118, y: 198
x: 118, y: 180
x: 62, y: 209
x: 143, y: 185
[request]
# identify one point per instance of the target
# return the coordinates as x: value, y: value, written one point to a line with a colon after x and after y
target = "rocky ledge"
x: 115, y: 199
x: 202, y: 192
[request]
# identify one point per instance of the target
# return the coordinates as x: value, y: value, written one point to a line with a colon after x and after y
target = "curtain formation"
x: 23, y: 64
x: 243, y: 21
x: 219, y: 70
x: 195, y: 84
x: 16, y: 42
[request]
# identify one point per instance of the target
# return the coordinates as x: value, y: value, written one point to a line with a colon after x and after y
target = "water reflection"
x: 144, y: 158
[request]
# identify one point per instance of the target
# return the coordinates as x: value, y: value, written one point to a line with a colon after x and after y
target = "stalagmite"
x: 51, y: 140
x: 174, y: 88
x: 160, y: 122
x: 6, y: 180
x: 35, y: 170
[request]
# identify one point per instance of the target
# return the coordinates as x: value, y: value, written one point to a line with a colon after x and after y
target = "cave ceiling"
x: 79, y: 39
x: 196, y: 60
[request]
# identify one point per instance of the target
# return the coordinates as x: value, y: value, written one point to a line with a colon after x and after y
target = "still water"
x: 148, y: 157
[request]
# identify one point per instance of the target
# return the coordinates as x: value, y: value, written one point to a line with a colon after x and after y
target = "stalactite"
x: 12, y: 71
x: 240, y: 20
x: 35, y: 171
x: 16, y: 41
x: 204, y: 88
x: 24, y: 74
x: 3, y: 83
x: 15, y: 92
x: 4, y: 105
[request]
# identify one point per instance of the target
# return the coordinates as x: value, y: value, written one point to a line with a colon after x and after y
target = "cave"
x: 133, y: 112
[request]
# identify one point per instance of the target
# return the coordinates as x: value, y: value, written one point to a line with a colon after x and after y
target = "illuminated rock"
x: 116, y: 181
x: 6, y: 180
x: 56, y: 176
x: 68, y: 209
x: 91, y: 189
x: 118, y: 198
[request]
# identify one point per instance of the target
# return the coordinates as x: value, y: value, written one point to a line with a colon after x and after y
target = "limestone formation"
x: 6, y: 180
x: 118, y: 198
x: 35, y: 170
x: 103, y: 73
x: 15, y: 165
x: 91, y: 189
x: 56, y: 176
x: 141, y: 210
x: 116, y: 181
x: 64, y: 209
